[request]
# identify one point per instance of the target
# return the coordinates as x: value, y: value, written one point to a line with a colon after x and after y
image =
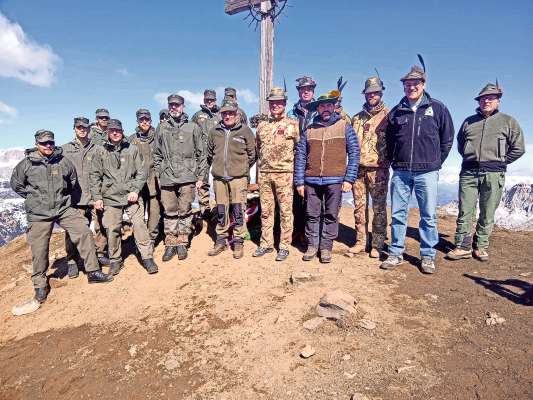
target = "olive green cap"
x: 102, y: 112
x: 228, y: 105
x: 81, y: 121
x: 373, y: 84
x: 143, y: 112
x: 230, y: 92
x: 277, y: 93
x: 114, y: 124
x: 44, y: 135
x: 490, y: 88
x: 210, y: 94
x: 175, y: 98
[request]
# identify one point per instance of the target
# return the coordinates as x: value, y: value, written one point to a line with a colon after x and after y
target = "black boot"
x: 182, y: 252
x: 73, y: 271
x: 41, y: 294
x: 170, y: 251
x: 99, y: 277
x: 115, y: 267
x: 150, y: 266
x: 103, y: 260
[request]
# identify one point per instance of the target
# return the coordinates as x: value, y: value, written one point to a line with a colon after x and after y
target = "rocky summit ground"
x: 217, y: 328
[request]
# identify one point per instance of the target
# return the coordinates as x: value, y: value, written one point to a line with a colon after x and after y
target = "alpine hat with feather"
x: 490, y: 88
x: 416, y: 72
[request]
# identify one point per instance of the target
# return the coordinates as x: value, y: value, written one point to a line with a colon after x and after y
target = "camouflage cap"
x: 228, y: 105
x: 210, y: 94
x: 490, y: 88
x: 305, y: 81
x: 102, y: 112
x: 230, y: 92
x: 114, y: 124
x: 373, y: 84
x: 416, y: 73
x: 175, y: 98
x: 277, y: 93
x: 43, y: 135
x: 81, y: 121
x: 143, y: 112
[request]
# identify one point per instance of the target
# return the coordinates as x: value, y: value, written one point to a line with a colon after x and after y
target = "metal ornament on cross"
x: 263, y: 13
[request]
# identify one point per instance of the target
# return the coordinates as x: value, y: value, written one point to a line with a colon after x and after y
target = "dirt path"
x: 222, y: 329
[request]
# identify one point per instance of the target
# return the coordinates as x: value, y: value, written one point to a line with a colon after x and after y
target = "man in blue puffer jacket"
x: 419, y: 137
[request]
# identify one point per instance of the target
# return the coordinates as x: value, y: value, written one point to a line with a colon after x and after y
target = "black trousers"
x: 322, y: 201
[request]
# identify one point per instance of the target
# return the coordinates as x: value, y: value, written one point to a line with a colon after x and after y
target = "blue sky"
x: 70, y: 57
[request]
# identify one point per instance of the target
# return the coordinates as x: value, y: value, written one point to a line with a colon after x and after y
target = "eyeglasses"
x: 47, y: 143
x: 412, y: 83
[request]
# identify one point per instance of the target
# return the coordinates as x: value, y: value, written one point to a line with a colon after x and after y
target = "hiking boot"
x: 325, y: 256
x: 374, y: 253
x: 150, y: 266
x: 41, y: 294
x: 182, y: 252
x: 219, y: 248
x: 238, y: 250
x: 261, y: 251
x: 481, y: 255
x: 309, y: 254
x: 427, y: 265
x: 282, y: 255
x: 73, y: 271
x: 99, y: 277
x: 170, y: 251
x: 103, y: 260
x: 115, y: 267
x: 391, y: 262
x: 458, y: 254
x: 353, y: 251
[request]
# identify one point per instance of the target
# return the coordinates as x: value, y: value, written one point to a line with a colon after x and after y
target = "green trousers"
x: 487, y: 187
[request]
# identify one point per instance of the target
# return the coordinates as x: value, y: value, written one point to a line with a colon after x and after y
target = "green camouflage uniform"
x: 373, y: 175
x: 276, y: 140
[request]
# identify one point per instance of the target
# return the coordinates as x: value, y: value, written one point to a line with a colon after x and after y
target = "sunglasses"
x: 103, y: 118
x: 144, y: 119
x: 47, y: 143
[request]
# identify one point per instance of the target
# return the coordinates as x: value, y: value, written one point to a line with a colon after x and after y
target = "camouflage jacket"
x: 344, y: 115
x: 276, y: 142
x: 370, y: 129
x: 97, y: 135
x: 206, y: 119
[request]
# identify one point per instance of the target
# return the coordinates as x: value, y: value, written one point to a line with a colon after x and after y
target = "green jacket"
x: 81, y: 157
x: 146, y: 143
x: 490, y: 144
x: 231, y: 152
x: 206, y: 119
x: 97, y: 135
x: 45, y: 183
x: 116, y: 171
x: 179, y: 152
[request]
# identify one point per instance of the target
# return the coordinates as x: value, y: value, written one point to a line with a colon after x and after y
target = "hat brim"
x: 373, y: 89
x: 479, y: 96
x: 312, y: 106
x: 273, y: 98
x: 82, y: 124
x: 228, y: 109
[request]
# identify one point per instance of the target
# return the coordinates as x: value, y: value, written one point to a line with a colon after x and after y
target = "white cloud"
x: 24, y: 59
x: 122, y: 71
x: 8, y: 110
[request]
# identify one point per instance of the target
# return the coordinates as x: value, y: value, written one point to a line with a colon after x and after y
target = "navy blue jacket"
x: 352, y: 151
x: 419, y: 141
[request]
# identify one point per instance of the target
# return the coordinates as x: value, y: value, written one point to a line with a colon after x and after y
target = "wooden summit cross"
x: 262, y: 12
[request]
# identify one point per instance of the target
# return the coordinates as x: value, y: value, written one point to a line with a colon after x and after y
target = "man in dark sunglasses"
x: 45, y: 178
x: 98, y: 131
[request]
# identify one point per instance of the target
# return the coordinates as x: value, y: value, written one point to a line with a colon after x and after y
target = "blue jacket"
x: 419, y: 141
x: 300, y: 161
x: 304, y: 119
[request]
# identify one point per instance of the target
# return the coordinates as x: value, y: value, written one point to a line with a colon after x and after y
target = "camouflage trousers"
x: 177, y: 204
x: 276, y: 187
x: 373, y: 182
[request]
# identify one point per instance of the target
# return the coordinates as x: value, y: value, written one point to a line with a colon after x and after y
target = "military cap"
x: 210, y: 94
x: 102, y: 112
x: 373, y: 84
x: 228, y: 105
x: 305, y: 81
x: 163, y: 112
x: 490, y: 88
x: 114, y: 124
x: 44, y: 135
x: 143, y: 112
x: 330, y: 97
x: 277, y: 93
x: 175, y: 98
x: 415, y: 73
x: 230, y: 92
x: 81, y: 121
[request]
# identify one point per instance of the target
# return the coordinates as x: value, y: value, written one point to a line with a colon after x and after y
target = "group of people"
x: 306, y: 159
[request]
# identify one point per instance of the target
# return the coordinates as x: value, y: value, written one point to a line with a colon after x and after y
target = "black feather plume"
x: 497, y: 85
x: 284, y: 85
x: 340, y: 84
x: 422, y: 62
